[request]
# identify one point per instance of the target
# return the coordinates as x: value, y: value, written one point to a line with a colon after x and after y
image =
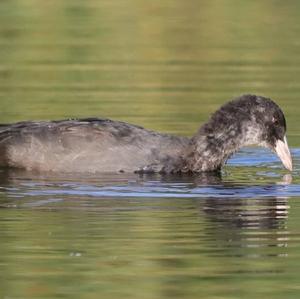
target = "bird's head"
x: 244, y: 121
x: 267, y: 125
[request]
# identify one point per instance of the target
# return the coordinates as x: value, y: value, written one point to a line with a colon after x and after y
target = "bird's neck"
x: 209, y: 149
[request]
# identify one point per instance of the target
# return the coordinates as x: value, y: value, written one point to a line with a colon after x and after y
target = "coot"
x: 103, y: 145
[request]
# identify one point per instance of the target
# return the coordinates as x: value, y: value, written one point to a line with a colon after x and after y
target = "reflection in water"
x: 166, y: 234
x: 264, y: 213
x: 287, y: 179
x: 252, y: 223
x: 236, y: 214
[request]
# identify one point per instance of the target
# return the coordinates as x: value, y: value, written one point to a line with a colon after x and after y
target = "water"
x: 165, y: 65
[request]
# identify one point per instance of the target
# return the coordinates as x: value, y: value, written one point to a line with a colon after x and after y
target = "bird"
x: 103, y: 145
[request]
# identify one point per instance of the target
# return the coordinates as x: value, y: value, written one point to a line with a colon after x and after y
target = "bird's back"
x: 85, y: 145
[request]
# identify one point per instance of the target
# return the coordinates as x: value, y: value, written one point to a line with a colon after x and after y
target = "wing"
x: 89, y: 144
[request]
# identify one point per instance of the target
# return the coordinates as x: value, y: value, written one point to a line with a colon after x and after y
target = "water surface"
x: 166, y: 65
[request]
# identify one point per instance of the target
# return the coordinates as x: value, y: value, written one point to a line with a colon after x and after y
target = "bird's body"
x: 86, y: 145
x: 102, y: 145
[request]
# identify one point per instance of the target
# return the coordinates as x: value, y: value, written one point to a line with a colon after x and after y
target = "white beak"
x: 283, y: 152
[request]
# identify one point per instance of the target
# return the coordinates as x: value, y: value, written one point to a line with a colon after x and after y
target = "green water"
x: 166, y: 65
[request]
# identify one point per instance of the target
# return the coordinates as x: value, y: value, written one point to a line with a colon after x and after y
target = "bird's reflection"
x: 254, y: 222
x: 260, y: 213
x: 245, y: 222
x: 259, y: 226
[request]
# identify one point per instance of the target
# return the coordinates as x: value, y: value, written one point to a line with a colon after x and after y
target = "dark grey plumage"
x: 247, y: 120
x: 102, y: 145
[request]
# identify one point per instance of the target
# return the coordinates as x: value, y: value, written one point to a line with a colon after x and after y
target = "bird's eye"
x: 275, y: 121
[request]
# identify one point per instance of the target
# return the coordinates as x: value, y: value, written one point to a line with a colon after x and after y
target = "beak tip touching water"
x: 283, y: 152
